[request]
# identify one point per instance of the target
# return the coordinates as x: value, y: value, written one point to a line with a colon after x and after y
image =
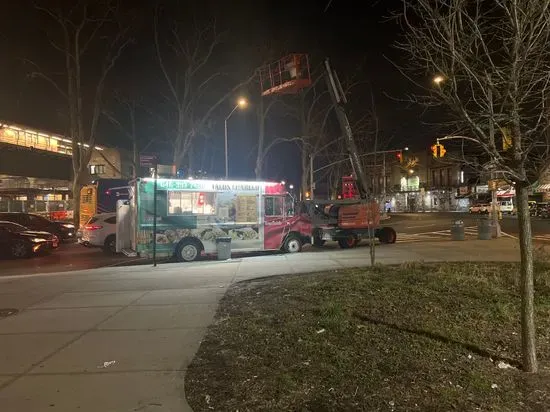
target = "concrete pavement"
x: 120, y: 339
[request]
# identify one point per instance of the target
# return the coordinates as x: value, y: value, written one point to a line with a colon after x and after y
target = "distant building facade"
x: 36, y: 169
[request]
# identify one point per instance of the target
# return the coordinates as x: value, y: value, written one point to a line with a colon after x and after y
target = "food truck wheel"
x: 293, y: 244
x: 187, y: 251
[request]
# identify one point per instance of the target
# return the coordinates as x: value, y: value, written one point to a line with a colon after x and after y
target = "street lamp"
x: 241, y: 103
x: 291, y: 187
x: 438, y: 79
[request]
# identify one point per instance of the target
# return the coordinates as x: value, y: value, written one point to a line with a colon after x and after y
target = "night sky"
x: 357, y: 40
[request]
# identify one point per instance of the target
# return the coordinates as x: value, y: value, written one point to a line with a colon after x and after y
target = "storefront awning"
x: 542, y: 188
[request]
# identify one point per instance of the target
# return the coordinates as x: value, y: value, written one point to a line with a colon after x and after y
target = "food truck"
x: 191, y: 215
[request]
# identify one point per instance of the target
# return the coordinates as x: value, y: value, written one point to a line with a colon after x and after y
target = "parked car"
x: 543, y: 210
x: 64, y: 231
x: 507, y: 206
x: 100, y: 231
x: 19, y: 242
x: 480, y: 208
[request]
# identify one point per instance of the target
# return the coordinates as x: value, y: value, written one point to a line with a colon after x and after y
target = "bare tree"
x: 185, y: 53
x: 127, y: 127
x: 492, y: 60
x: 262, y: 114
x: 89, y: 41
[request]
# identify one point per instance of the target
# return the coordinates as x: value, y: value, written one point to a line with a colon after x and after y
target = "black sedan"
x: 19, y: 242
x: 64, y: 231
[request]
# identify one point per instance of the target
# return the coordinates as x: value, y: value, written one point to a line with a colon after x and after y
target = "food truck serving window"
x: 191, y: 203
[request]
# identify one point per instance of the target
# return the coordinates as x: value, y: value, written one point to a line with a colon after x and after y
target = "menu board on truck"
x: 247, y: 209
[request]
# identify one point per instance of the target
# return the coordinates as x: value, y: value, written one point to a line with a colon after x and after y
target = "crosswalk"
x: 470, y: 232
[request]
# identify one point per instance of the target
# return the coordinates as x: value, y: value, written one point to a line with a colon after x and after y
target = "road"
x: 413, y: 227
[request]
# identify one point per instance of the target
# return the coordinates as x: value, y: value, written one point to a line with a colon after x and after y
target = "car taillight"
x: 92, y: 227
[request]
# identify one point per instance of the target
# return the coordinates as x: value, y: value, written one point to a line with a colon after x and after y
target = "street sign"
x: 493, y: 184
x: 147, y: 160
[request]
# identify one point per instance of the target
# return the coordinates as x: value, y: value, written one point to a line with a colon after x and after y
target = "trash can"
x: 457, y: 230
x: 223, y: 247
x: 485, y: 229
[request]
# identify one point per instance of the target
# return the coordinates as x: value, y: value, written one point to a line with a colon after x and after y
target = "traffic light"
x: 438, y: 150
x: 506, y: 138
x: 400, y: 157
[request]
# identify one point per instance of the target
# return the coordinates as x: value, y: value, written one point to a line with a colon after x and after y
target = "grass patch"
x: 411, y: 337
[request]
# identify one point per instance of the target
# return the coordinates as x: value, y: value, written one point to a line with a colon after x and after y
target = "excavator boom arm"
x: 339, y: 100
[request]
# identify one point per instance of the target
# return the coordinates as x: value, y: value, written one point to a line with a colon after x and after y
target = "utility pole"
x: 384, y: 183
x: 225, y: 134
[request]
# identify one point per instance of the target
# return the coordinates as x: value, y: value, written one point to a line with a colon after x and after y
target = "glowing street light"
x: 438, y: 79
x: 291, y: 187
x: 241, y: 103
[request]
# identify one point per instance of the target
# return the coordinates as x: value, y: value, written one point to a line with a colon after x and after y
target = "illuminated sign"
x: 217, y: 186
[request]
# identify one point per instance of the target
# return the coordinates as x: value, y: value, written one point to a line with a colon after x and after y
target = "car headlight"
x: 38, y: 240
x: 68, y: 225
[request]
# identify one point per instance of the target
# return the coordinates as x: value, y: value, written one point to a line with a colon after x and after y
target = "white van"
x: 507, y: 206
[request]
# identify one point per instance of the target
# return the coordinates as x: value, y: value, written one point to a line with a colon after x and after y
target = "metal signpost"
x: 152, y: 161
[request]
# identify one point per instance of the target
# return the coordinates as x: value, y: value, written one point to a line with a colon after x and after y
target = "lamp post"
x: 242, y: 103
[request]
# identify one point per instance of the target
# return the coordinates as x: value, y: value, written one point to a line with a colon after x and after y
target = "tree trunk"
x: 135, y: 158
x: 76, y: 200
x: 305, y: 172
x: 191, y: 158
x: 528, y: 337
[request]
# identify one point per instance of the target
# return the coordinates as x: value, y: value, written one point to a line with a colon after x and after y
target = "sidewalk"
x: 120, y: 339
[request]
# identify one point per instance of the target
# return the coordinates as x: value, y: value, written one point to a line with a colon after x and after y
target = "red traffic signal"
x: 399, y: 157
